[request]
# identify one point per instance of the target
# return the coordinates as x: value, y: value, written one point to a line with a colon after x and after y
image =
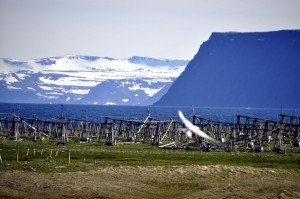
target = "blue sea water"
x: 98, y: 112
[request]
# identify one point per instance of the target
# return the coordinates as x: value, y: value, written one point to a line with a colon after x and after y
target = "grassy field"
x: 143, y: 171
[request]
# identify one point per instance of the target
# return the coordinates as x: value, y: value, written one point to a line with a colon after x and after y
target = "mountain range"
x: 87, y: 80
x: 232, y: 69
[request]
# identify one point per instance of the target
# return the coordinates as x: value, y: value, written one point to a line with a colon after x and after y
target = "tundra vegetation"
x: 43, y: 169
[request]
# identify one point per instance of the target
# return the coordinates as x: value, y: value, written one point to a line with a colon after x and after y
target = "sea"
x: 99, y: 112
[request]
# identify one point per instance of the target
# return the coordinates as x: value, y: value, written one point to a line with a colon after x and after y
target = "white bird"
x: 192, y: 128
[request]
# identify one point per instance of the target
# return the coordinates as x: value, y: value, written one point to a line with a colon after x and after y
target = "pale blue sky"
x: 123, y: 28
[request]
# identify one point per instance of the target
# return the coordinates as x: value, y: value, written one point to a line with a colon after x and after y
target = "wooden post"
x: 1, y: 159
x: 27, y: 152
x: 34, y: 152
x: 112, y: 131
x: 284, y: 148
x: 51, y: 153
x: 69, y: 156
x: 155, y: 140
x: 18, y: 154
x: 16, y: 127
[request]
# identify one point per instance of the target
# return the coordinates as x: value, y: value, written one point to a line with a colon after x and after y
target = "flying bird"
x: 192, y: 128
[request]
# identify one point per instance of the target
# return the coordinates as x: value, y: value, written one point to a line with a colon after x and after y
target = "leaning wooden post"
x: 1, y: 159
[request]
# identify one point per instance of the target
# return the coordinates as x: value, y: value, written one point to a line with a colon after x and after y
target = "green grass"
x: 88, y: 156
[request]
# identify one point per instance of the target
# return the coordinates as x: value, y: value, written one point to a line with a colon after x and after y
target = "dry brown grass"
x: 191, y: 181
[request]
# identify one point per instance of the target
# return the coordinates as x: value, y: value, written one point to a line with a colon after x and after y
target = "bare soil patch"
x: 189, y: 181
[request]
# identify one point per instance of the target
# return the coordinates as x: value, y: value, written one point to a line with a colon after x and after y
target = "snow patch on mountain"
x: 149, y: 91
x: 107, y: 103
x: 77, y: 91
x: 70, y: 79
x: 13, y: 88
x: 10, y: 79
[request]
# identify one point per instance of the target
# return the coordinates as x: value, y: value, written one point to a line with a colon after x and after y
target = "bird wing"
x: 193, y: 128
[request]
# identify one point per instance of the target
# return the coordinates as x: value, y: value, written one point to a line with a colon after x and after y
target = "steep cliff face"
x: 241, y: 70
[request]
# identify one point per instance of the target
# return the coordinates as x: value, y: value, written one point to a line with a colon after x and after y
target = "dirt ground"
x: 193, y: 181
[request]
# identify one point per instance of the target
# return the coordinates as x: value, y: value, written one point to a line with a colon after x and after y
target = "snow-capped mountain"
x: 88, y: 80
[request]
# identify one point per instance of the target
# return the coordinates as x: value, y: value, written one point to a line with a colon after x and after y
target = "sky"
x: 123, y: 28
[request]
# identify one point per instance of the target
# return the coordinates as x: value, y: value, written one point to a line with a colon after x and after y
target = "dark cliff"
x: 260, y: 69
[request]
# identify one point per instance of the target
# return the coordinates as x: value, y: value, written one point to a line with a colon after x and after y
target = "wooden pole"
x: 1, y: 159
x: 34, y: 152
x: 27, y: 152
x: 18, y: 154
x: 51, y: 153
x: 69, y: 156
x: 284, y: 148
